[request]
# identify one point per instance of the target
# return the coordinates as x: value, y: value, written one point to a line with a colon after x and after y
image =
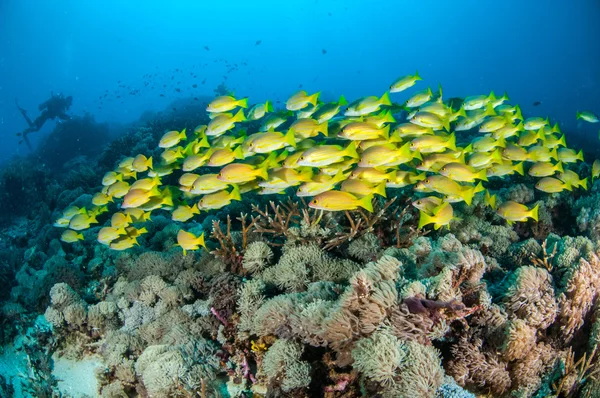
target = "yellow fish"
x: 124, y: 243
x: 271, y: 122
x: 194, y: 146
x: 427, y: 203
x: 138, y: 197
x: 552, y: 141
x: 544, y: 169
x: 360, y: 188
x: 419, y: 98
x: 100, y: 199
x: 320, y: 184
x: 588, y: 117
x: 406, y: 130
x: 141, y: 163
x: 530, y: 137
x: 404, y: 82
x: 513, y: 212
x: 283, y: 177
x: 259, y: 110
x: 461, y: 172
x: 515, y: 153
x: 81, y: 221
x: 487, y: 144
x: 108, y: 234
x: 187, y: 179
x: 595, y: 169
x: 269, y: 141
x: 568, y: 155
x: 183, y: 213
x: 222, y: 123
x: 207, y: 183
x: 490, y: 200
x: 327, y: 154
x: 219, y: 199
x: 300, y: 100
x: 193, y: 162
x: 225, y: 104
x: 145, y: 184
x: 338, y: 200
x: 237, y: 173
x: 171, y: 155
x: 307, y: 112
x: 372, y: 174
x: 133, y: 232
x: 120, y: 220
x: 224, y: 156
x: 439, y: 217
x: 364, y: 106
x: 433, y: 143
x: 485, y: 159
x: 387, y: 155
x: 110, y: 178
x: 359, y: 131
x: 535, y: 123
x: 380, y: 119
x: 571, y: 178
x: 447, y: 186
x: 118, y: 189
x: 552, y: 185
x: 137, y: 215
x: 541, y: 153
x: 172, y: 138
x: 188, y: 241
x: 430, y: 120
x: 404, y: 178
x: 478, y: 101
x: 70, y: 236
x: 327, y: 111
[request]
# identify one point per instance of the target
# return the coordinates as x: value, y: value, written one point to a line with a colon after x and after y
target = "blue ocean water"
x: 117, y: 58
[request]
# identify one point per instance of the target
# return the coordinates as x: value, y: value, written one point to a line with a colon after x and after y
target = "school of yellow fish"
x: 340, y: 155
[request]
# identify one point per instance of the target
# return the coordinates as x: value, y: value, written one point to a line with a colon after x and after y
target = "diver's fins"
x: 26, y: 140
x: 24, y: 113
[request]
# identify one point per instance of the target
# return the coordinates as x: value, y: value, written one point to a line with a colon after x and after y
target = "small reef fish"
x: 588, y: 117
x: 188, y: 241
x: 552, y: 185
x: 338, y: 201
x: 172, y: 138
x: 300, y: 100
x: 70, y: 236
x: 225, y: 104
x: 404, y: 82
x: 512, y: 212
x: 440, y: 216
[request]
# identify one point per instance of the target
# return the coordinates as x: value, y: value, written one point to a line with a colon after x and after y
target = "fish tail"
x: 366, y: 202
x: 243, y: 103
x: 482, y: 175
x: 533, y: 213
x: 518, y: 114
x: 268, y: 106
x: 446, y: 124
x: 380, y: 190
x: 468, y: 194
x: 385, y: 132
x: 489, y: 110
x: 385, y: 99
x: 149, y: 163
x: 235, y: 193
x: 580, y: 155
x: 416, y: 76
x: 237, y: 153
x: 424, y: 219
x: 519, y: 168
x: 324, y: 128
x: 584, y: 183
x: 79, y: 236
x: 314, y: 98
x: 203, y: 142
x: 562, y: 141
x: 578, y: 115
x: 541, y: 136
x: 559, y: 167
x: 239, y: 117
x: 290, y: 139
x: 182, y: 135
x: 501, y: 142
x: 351, y: 150
x: 342, y: 101
x: 451, y: 143
x: 492, y: 97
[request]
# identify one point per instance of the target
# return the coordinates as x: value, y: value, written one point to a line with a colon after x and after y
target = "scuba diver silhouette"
x: 54, y: 107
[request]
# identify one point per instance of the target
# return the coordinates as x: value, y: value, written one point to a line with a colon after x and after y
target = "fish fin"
x: 562, y: 141
x: 290, y: 139
x: 324, y: 128
x: 491, y: 97
x: 380, y: 190
x: 237, y: 153
x: 203, y: 142
x: 451, y: 142
x: 554, y: 154
x: 518, y: 115
x: 533, y: 213
x: 385, y: 132
x: 519, y: 168
x: 239, y: 116
x: 584, y: 183
x: 424, y: 219
x: 385, y: 99
x: 416, y: 76
x: 482, y: 175
x: 580, y: 155
x: 149, y: 163
x: 268, y: 106
x: 182, y: 135
x: 235, y: 193
x: 541, y: 136
x: 489, y: 110
x: 446, y: 124
x: 501, y: 142
x: 351, y: 150
x: 366, y: 202
x: 467, y: 195
x: 342, y: 101
x: 559, y: 167
x: 314, y: 98
x: 201, y: 240
x: 578, y: 115
x: 243, y: 103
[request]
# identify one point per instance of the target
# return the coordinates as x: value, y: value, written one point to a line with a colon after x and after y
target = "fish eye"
x: 427, y: 181
x: 418, y: 202
x: 443, y: 169
x: 315, y: 201
x: 301, y: 157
